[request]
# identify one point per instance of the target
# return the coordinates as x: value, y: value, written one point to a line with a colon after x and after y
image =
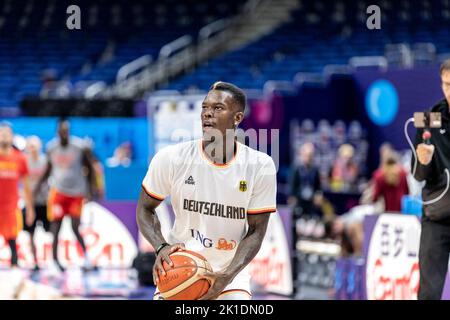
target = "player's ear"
x: 238, y: 117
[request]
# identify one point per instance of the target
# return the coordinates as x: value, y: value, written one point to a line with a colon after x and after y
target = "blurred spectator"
x: 355, y: 132
x: 386, y: 150
x: 348, y: 229
x: 122, y: 156
x: 345, y: 171
x: 37, y: 165
x: 52, y: 87
x: 390, y: 183
x: 315, y: 226
x: 339, y: 132
x: 307, y: 126
x: 328, y: 139
x: 304, y: 182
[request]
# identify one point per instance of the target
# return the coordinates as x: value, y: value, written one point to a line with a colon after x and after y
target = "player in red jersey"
x: 13, y: 169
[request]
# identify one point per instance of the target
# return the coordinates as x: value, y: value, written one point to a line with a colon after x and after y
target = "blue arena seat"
x: 135, y: 27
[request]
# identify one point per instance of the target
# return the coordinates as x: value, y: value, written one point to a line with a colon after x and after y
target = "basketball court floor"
x: 101, y: 284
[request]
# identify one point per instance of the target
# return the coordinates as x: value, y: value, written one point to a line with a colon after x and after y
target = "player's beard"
x: 64, y: 142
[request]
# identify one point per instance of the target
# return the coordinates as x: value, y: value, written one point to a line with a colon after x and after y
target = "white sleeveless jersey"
x: 211, y: 202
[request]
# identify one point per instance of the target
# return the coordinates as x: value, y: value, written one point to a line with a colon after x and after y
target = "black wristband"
x: 161, y: 246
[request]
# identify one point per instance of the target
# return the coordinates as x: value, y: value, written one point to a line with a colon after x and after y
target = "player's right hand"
x: 164, y: 255
x: 425, y: 153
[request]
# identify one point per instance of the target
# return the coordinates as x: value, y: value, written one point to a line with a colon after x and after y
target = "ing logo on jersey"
x: 242, y: 185
x: 197, y: 235
x: 223, y: 244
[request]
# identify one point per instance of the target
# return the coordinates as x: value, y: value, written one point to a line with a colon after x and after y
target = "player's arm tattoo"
x: 249, y: 246
x: 148, y: 221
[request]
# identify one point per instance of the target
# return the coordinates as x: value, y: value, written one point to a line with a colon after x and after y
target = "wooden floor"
x: 75, y: 284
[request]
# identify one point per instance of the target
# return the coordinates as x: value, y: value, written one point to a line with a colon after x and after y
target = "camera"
x: 427, y: 120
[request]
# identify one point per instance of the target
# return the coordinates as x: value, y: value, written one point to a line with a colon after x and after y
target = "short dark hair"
x: 445, y: 66
x: 392, y: 159
x: 237, y: 93
x: 62, y: 120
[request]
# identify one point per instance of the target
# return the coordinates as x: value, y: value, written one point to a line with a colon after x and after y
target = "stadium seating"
x: 329, y: 32
x: 112, y: 34
x: 319, y: 33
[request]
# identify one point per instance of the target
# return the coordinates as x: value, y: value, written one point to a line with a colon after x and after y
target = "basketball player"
x: 13, y: 169
x: 70, y: 185
x: 37, y: 165
x: 221, y: 191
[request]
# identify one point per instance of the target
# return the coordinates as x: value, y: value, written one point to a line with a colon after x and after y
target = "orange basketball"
x: 184, y: 280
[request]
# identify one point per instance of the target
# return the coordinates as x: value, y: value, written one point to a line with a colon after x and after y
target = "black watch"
x: 161, y: 246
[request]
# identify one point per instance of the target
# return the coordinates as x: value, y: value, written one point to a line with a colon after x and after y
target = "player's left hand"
x: 218, y: 280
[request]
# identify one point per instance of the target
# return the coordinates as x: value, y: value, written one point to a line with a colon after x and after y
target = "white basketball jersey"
x: 211, y: 202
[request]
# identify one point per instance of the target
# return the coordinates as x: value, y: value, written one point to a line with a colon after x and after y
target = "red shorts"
x: 10, y: 224
x: 60, y: 205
